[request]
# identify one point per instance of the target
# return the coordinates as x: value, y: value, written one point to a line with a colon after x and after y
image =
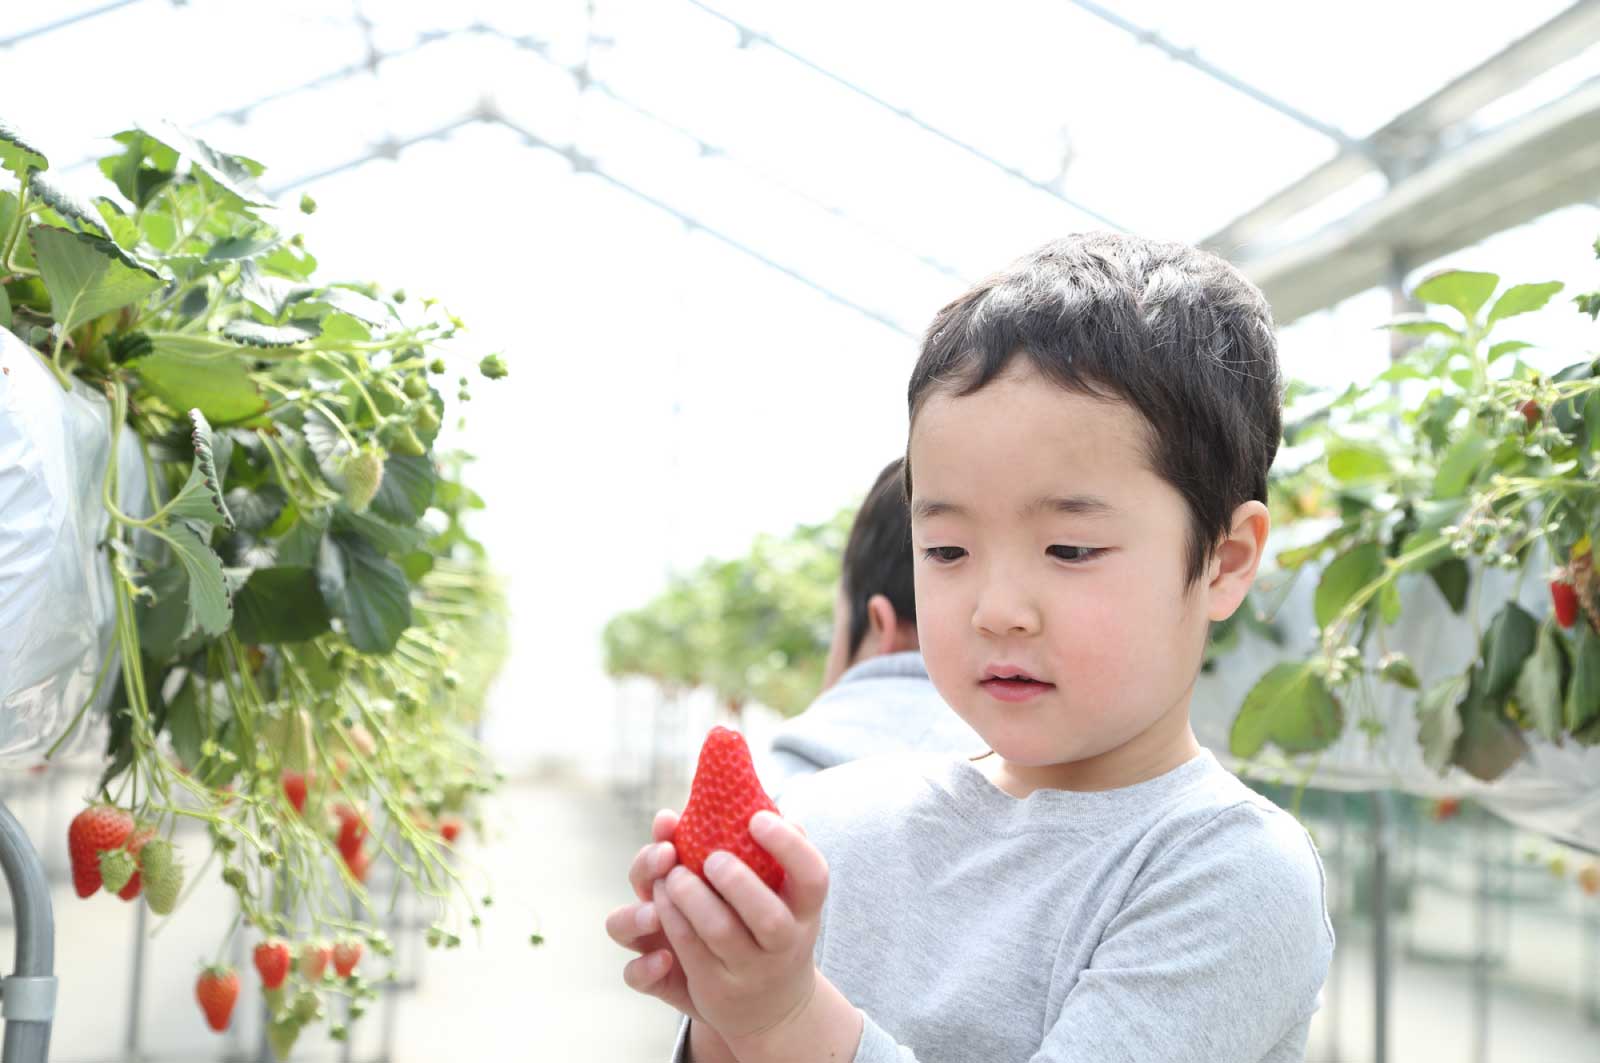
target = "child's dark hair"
x: 1176, y: 332
x: 877, y: 556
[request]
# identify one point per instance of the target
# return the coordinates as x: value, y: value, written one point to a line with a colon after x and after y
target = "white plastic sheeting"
x: 57, y: 615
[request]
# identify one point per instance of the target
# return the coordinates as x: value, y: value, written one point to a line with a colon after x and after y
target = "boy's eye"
x: 943, y: 553
x: 1074, y: 553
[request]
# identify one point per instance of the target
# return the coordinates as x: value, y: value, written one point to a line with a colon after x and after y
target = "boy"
x: 1090, y: 436
x: 876, y: 694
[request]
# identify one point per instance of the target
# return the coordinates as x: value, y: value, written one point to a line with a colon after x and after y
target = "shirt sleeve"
x: 1219, y: 956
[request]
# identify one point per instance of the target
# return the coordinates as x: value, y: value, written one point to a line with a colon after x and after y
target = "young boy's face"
x: 1045, y: 544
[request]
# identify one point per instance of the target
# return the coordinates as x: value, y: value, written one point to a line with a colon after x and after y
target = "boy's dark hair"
x: 877, y: 556
x: 1176, y: 332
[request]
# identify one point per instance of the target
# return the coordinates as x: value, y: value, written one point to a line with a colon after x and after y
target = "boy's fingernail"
x: 715, y: 863
x: 663, y: 851
x: 646, y: 917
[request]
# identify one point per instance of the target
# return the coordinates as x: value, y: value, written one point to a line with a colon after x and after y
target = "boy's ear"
x: 886, y: 632
x: 1236, y: 559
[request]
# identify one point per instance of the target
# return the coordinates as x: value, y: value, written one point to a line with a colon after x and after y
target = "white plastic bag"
x: 57, y: 615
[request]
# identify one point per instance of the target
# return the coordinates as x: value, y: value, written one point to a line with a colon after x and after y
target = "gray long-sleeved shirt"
x: 1179, y: 919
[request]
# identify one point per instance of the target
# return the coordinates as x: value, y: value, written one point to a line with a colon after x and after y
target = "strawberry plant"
x: 304, y: 627
x: 1468, y: 455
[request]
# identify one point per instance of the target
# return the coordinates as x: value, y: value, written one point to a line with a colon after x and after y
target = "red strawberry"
x: 1565, y: 596
x: 1446, y: 808
x: 294, y: 788
x: 724, y: 795
x: 272, y: 960
x: 346, y: 954
x: 95, y: 828
x: 352, y: 830
x: 450, y: 828
x: 359, y: 862
x: 216, y: 991
x: 135, y: 844
x: 1531, y: 412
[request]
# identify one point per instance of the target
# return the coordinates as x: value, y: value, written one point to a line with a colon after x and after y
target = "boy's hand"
x: 656, y: 971
x: 747, y: 951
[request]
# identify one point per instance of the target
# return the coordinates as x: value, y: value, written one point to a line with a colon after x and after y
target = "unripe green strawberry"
x: 116, y: 868
x: 363, y: 472
x: 163, y: 876
x: 493, y: 367
x: 282, y: 1034
x: 402, y: 439
x: 415, y: 387
x: 307, y: 1006
x: 426, y: 418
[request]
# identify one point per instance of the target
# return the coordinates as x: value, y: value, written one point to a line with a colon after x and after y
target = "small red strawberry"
x: 314, y: 957
x: 346, y: 954
x: 359, y: 862
x: 96, y: 828
x: 1531, y: 412
x: 352, y: 830
x: 217, y: 990
x: 1446, y: 808
x: 135, y: 844
x: 294, y: 788
x: 450, y: 828
x: 1565, y: 596
x: 272, y: 960
x: 724, y: 795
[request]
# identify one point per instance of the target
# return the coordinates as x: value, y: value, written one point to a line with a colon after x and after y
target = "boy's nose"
x: 1005, y: 609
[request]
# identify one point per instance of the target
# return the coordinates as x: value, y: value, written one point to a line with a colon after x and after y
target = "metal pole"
x: 1382, y: 958
x: 28, y: 995
x: 131, y: 1051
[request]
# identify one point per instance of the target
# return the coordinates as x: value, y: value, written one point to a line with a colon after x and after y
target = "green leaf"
x: 271, y: 293
x: 1583, y: 696
x: 358, y: 306
x: 339, y: 329
x: 69, y: 206
x: 301, y: 545
x: 365, y: 590
x: 219, y: 385
x: 1460, y: 465
x: 5, y: 308
x: 406, y: 491
x: 1439, y: 722
x: 256, y: 334
x: 1538, y: 689
x: 201, y: 496
x: 1522, y: 298
x: 162, y: 615
x: 389, y: 539
x: 1291, y: 707
x: 184, y: 724
x: 1506, y: 647
x: 17, y: 155
x: 1354, y: 462
x: 87, y: 276
x: 1452, y: 577
x: 236, y: 248
x: 1420, y: 325
x: 1462, y: 289
x: 135, y: 180
x: 1389, y: 602
x: 1505, y: 347
x: 280, y: 604
x: 1591, y: 420
x: 255, y: 509
x: 229, y: 171
x: 208, y: 595
x: 1344, y: 577
x: 1489, y: 744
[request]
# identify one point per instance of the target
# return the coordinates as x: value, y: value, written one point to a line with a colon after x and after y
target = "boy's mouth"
x: 1008, y: 683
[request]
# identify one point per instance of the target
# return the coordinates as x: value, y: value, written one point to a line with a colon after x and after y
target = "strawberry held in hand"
x: 724, y: 795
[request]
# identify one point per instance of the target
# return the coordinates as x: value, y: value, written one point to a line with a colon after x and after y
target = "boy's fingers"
x: 765, y: 915
x: 652, y: 862
x: 666, y: 822
x: 626, y: 928
x: 643, y: 973
x: 692, y: 951
x: 805, y: 872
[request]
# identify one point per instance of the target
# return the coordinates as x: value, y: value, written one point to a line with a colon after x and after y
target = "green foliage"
x: 754, y: 628
x: 1460, y: 458
x: 263, y: 624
